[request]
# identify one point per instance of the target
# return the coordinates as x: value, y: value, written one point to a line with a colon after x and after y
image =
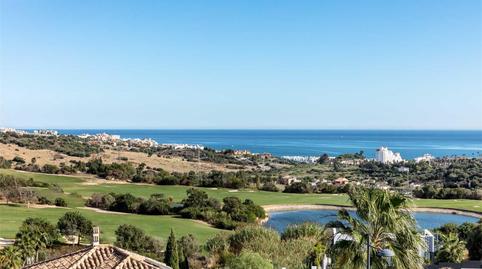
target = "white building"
x: 424, y: 158
x: 384, y: 155
x: 429, y: 239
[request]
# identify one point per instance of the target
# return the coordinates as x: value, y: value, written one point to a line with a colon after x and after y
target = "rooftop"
x: 100, y: 257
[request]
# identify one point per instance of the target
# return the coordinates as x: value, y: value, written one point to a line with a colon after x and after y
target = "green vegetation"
x: 33, y: 238
x: 68, y: 144
x: 295, y: 250
x: 158, y: 226
x: 230, y: 215
x: 456, y: 240
x: 132, y: 238
x: 383, y: 221
x: 431, y: 192
x: 171, y: 255
x: 75, y: 224
x: 76, y: 189
x: 451, y: 249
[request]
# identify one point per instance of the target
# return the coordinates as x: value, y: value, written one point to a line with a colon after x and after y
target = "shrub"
x: 250, y: 260
x: 298, y: 187
x: 50, y: 169
x: 18, y: 159
x: 44, y: 200
x: 218, y: 244
x: 308, y: 231
x: 256, y: 239
x: 474, y: 244
x: 60, y: 202
x: 4, y: 163
x: 270, y: 186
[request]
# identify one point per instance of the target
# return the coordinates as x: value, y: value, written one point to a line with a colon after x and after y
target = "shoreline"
x: 292, y: 207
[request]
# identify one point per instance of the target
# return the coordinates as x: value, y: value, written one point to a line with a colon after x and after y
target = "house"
x: 340, y: 181
x: 100, y: 256
x: 288, y: 180
x: 424, y: 158
x: 403, y: 169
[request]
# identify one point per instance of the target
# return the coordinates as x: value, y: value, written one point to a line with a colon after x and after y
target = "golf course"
x: 76, y: 189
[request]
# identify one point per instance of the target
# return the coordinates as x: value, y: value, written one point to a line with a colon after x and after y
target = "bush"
x: 44, y: 200
x: 50, y: 169
x: 474, y: 244
x: 270, y: 186
x: 306, y: 231
x: 60, y: 202
x: 250, y: 260
x: 132, y: 238
x: 298, y: 187
x: 4, y: 163
x: 218, y: 244
x: 256, y: 239
x: 18, y: 159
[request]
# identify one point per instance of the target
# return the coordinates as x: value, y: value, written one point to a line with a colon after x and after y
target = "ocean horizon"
x: 313, y: 142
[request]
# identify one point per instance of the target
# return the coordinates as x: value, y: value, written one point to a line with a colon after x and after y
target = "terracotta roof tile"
x: 100, y: 257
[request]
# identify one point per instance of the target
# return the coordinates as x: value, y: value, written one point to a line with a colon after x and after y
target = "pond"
x: 425, y: 220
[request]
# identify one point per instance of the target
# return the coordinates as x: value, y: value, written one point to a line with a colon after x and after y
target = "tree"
x: 324, y: 158
x: 10, y: 258
x: 386, y: 220
x: 189, y: 245
x: 132, y: 238
x: 452, y: 249
x: 34, y: 236
x: 74, y: 223
x: 474, y: 244
x: 171, y: 255
x: 195, y: 198
x: 183, y: 260
x: 249, y: 260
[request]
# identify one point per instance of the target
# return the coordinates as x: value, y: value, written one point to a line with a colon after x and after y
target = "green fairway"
x: 11, y: 217
x: 76, y: 190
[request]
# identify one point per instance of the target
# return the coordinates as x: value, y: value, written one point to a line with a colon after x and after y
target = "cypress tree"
x: 171, y: 255
x: 183, y: 262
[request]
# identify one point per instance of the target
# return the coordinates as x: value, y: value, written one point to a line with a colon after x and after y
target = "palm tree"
x: 452, y: 249
x: 10, y: 258
x: 383, y: 219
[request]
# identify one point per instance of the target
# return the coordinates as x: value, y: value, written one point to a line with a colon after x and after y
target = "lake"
x: 425, y: 220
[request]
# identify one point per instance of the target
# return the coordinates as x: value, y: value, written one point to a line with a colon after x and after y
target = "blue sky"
x: 241, y: 64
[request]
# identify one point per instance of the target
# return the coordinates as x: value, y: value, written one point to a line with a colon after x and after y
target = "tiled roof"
x: 100, y: 257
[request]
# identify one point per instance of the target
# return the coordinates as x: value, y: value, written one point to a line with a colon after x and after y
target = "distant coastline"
x: 305, y: 143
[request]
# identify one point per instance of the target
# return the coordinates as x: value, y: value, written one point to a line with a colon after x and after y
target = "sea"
x: 409, y: 143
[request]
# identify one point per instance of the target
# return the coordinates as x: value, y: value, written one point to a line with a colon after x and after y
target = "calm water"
x: 410, y: 144
x: 280, y: 220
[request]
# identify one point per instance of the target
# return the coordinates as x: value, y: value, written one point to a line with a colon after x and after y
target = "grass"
x: 159, y: 226
x: 76, y: 190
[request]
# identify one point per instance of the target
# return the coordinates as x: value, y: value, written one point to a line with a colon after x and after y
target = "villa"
x: 100, y: 256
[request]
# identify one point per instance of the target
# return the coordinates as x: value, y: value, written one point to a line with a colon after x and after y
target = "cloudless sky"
x: 241, y: 64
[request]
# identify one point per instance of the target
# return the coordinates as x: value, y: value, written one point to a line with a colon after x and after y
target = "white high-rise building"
x: 384, y: 155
